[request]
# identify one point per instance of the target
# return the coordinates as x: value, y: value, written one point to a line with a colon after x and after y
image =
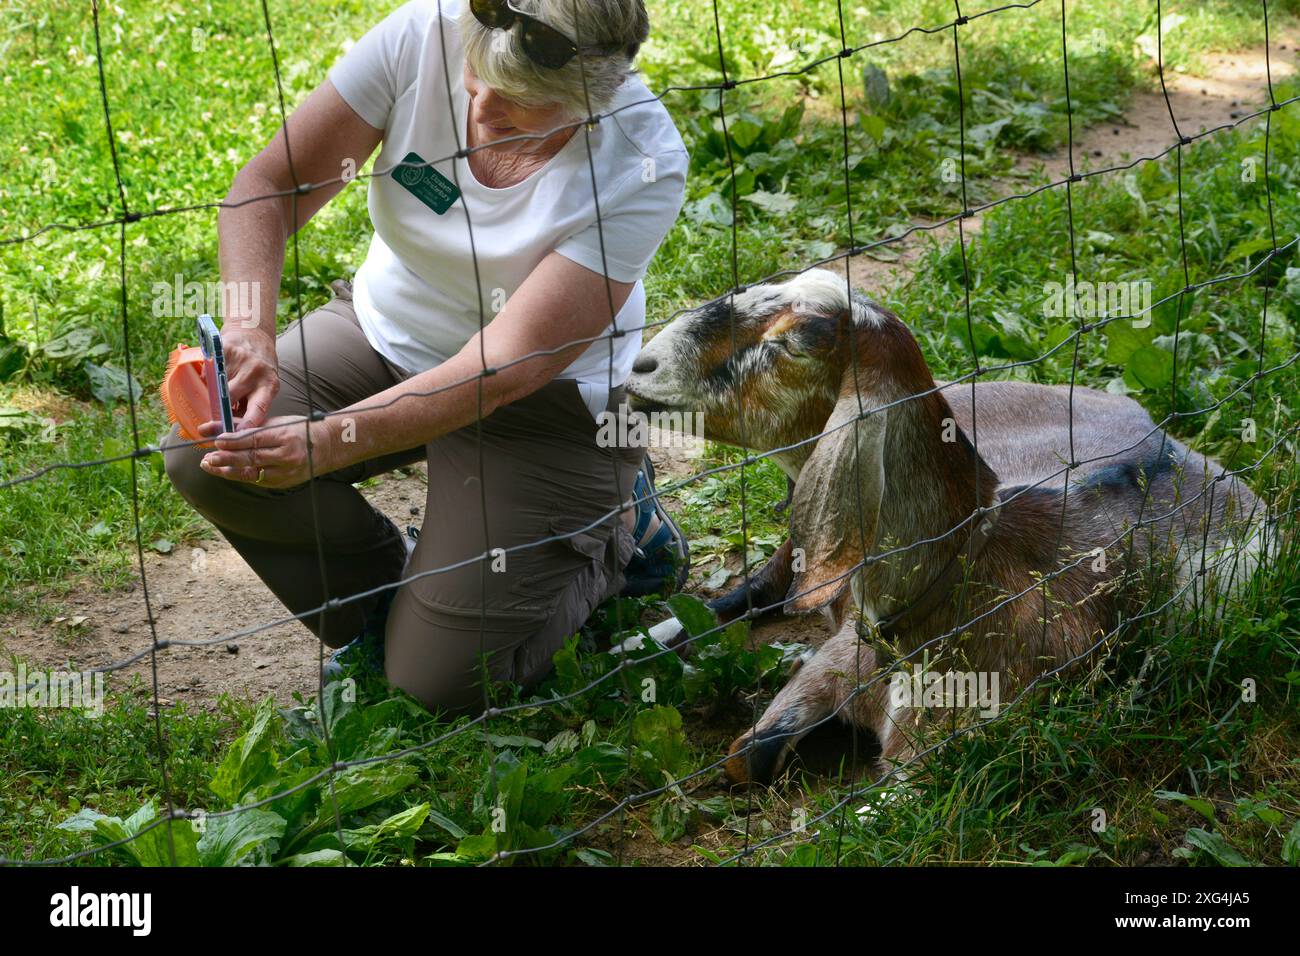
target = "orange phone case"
x: 184, y: 392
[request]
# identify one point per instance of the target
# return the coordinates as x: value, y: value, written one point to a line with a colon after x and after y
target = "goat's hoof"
x: 737, y: 765
x: 753, y: 760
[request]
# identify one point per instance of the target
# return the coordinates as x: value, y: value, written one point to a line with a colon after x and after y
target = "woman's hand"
x: 274, y: 455
x: 253, y: 373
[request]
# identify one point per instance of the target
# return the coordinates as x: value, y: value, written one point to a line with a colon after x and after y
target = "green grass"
x: 58, y: 760
x: 1021, y: 791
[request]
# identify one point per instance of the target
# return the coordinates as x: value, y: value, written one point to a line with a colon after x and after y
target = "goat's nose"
x: 645, y: 364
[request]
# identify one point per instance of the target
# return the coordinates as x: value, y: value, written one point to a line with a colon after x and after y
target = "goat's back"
x: 1024, y: 429
x: 1129, y: 472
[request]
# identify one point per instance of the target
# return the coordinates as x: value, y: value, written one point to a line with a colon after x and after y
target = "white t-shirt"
x: 415, y: 294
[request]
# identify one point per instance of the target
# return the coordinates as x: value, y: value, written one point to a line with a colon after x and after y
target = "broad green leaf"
x: 155, y: 847
x: 512, y: 784
x: 1122, y: 340
x: 147, y: 844
x: 477, y: 848
x: 13, y: 356
x: 20, y: 421
x: 71, y: 347
x: 568, y: 672
x: 1056, y: 335
x: 605, y: 760
x: 361, y: 787
x: 403, y: 824
x: 874, y: 126
x: 988, y: 132
x: 692, y: 614
x: 669, y: 819
x: 719, y: 577
x: 446, y: 823
x: 1076, y: 854
x: 711, y: 210
x: 110, y: 384
x: 817, y: 249
x: 1291, y: 846
x: 289, y: 779
x: 1152, y: 367
x: 563, y: 742
x: 1217, y: 847
x: 227, y: 839
x: 803, y: 855
x: 1253, y: 809
x: 776, y: 204
x: 250, y: 759
x: 1204, y: 807
x: 789, y: 124
x: 318, y: 858
x: 661, y: 746
x: 346, y: 722
x: 1248, y: 247
x: 84, y: 820
x: 1173, y: 314
x: 744, y: 132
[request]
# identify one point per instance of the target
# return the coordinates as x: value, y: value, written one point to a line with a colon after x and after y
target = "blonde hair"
x: 497, y: 58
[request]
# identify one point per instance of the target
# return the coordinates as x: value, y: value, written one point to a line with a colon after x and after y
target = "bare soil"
x: 223, y: 598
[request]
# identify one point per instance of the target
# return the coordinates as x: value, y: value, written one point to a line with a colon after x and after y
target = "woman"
x: 505, y: 238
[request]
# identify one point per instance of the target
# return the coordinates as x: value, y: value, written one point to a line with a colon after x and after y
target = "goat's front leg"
x: 766, y: 587
x: 823, y: 686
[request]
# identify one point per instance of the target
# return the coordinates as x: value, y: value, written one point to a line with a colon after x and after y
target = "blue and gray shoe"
x: 663, y: 563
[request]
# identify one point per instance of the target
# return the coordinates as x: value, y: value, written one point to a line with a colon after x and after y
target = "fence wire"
x: 749, y: 457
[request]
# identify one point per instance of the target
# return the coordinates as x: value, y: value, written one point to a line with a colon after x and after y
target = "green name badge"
x: 426, y: 184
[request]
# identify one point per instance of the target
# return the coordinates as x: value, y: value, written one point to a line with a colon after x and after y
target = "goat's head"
x: 790, y: 362
x: 765, y: 373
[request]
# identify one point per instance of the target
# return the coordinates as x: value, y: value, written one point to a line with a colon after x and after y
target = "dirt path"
x: 224, y: 598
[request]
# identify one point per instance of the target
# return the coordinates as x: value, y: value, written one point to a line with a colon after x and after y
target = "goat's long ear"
x: 836, y: 503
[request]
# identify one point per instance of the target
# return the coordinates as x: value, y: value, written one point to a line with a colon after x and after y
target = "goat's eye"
x: 788, y: 347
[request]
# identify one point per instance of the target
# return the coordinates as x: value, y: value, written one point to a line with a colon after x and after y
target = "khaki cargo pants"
x: 543, y: 476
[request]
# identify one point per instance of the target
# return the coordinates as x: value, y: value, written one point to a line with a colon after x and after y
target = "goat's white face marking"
x: 770, y: 361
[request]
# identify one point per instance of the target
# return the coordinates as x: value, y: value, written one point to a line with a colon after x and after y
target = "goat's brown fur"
x: 807, y: 362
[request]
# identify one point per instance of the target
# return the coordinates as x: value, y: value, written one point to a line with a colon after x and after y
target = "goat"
x: 1001, y: 559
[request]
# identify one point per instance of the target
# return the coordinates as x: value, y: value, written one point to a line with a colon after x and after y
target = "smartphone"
x: 214, y: 372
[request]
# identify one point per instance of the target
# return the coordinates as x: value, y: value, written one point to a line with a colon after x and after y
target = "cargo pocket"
x: 556, y: 565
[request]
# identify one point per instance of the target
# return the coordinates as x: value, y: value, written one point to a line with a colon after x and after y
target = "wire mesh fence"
x: 865, y: 676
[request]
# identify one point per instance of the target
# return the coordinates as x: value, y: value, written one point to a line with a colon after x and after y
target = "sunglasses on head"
x: 543, y: 44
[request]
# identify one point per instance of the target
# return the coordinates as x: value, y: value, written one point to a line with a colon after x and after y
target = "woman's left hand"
x: 273, y: 455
